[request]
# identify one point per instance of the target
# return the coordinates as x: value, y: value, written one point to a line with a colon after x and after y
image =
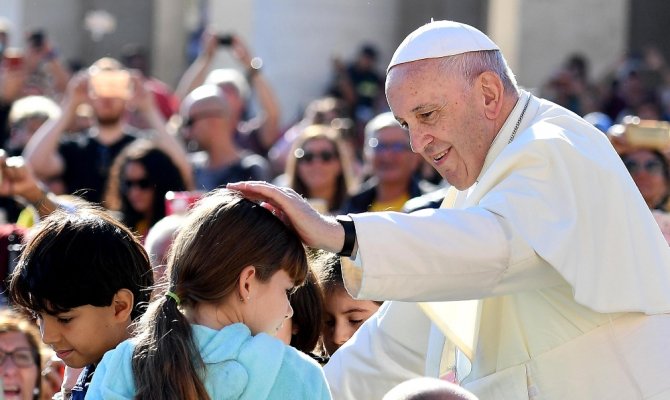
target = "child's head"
x: 230, y: 254
x: 343, y: 314
x: 303, y: 330
x: 86, y: 277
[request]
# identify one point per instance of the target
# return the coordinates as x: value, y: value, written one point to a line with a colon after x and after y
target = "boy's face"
x: 82, y: 335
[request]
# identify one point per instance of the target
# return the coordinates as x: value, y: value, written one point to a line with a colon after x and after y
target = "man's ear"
x: 246, y: 282
x: 492, y: 91
x: 123, y: 304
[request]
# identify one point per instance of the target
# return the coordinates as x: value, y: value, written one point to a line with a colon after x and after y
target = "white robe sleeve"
x: 387, y: 349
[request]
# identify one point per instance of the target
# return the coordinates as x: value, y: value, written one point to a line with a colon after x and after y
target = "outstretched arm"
x: 315, y: 230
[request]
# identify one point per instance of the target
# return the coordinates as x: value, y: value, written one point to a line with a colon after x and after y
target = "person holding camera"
x: 85, y: 159
x: 259, y: 133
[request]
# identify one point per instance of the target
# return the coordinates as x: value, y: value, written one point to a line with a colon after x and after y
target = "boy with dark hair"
x: 85, y: 277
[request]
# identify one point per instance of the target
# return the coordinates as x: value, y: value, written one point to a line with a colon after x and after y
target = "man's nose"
x: 419, y: 139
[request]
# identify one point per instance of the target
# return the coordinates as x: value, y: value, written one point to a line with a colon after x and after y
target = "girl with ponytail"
x: 211, y: 336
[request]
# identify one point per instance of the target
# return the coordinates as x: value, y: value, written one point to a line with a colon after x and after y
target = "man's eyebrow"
x: 422, y: 107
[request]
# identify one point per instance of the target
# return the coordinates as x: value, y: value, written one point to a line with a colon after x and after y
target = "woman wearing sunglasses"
x: 139, y: 179
x: 647, y: 164
x: 319, y: 167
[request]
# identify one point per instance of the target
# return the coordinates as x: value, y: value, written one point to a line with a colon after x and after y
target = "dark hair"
x: 11, y: 321
x: 307, y: 304
x: 160, y: 171
x: 222, y: 234
x: 331, y: 276
x: 78, y: 258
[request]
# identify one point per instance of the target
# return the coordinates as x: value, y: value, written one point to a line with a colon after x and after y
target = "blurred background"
x: 299, y: 39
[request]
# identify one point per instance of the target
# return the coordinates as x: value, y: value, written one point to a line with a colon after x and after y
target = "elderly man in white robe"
x: 553, y: 277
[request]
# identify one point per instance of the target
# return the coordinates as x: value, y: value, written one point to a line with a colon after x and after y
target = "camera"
x: 225, y: 39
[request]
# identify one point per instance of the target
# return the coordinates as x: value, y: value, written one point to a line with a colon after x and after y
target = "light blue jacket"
x: 238, y: 366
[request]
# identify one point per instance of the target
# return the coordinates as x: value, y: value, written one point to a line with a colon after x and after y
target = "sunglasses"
x: 143, y: 184
x: 309, y: 156
x: 393, y: 147
x: 654, y: 167
x: 191, y: 119
x: 22, y: 357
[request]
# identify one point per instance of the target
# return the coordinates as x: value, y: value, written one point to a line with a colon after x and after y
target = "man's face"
x: 445, y: 118
x: 392, y: 159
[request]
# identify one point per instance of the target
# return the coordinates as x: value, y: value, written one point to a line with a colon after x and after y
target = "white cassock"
x: 571, y: 267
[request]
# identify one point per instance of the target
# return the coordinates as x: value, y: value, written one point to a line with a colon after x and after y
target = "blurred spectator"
x: 22, y: 357
x: 134, y: 57
x: 158, y: 242
x: 26, y: 115
x: 257, y: 134
x: 322, y: 111
x: 207, y: 121
x: 321, y: 168
x: 343, y: 314
x: 84, y: 161
x: 647, y: 164
x: 360, y: 86
x: 393, y: 167
x: 139, y: 179
x: 571, y: 88
x: 46, y: 74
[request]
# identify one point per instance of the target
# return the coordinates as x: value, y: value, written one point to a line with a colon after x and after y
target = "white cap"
x: 440, y: 39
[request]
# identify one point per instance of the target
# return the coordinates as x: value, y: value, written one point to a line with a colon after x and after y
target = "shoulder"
x: 303, y: 372
x: 113, y: 377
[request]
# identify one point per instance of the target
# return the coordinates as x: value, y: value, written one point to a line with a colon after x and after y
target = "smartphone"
x: 225, y: 40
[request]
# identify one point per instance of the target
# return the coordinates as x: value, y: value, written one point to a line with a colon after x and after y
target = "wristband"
x: 349, y: 235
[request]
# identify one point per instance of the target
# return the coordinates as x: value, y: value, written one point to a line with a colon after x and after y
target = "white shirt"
x: 554, y: 236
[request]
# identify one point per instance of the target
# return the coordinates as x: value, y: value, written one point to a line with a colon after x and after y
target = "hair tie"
x: 173, y: 296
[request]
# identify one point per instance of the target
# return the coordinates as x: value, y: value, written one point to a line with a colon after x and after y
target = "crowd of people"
x: 145, y: 255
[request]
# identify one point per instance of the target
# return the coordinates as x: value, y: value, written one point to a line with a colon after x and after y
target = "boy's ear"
x: 123, y: 304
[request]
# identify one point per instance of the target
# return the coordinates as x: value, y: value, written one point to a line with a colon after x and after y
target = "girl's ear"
x: 123, y: 304
x: 247, y: 282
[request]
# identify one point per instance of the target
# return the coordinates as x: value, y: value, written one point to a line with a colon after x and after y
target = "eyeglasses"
x: 309, y: 156
x: 394, y: 147
x: 143, y: 183
x: 191, y: 119
x: 654, y: 167
x: 23, y: 357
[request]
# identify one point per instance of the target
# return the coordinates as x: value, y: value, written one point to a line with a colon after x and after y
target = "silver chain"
x: 520, y: 118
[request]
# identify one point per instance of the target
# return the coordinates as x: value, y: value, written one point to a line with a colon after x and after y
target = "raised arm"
x: 144, y: 101
x: 269, y: 131
x: 196, y: 73
x: 41, y: 151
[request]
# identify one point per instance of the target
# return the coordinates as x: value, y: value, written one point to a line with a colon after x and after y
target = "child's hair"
x: 222, y: 234
x: 307, y: 304
x: 77, y: 258
x: 331, y: 275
